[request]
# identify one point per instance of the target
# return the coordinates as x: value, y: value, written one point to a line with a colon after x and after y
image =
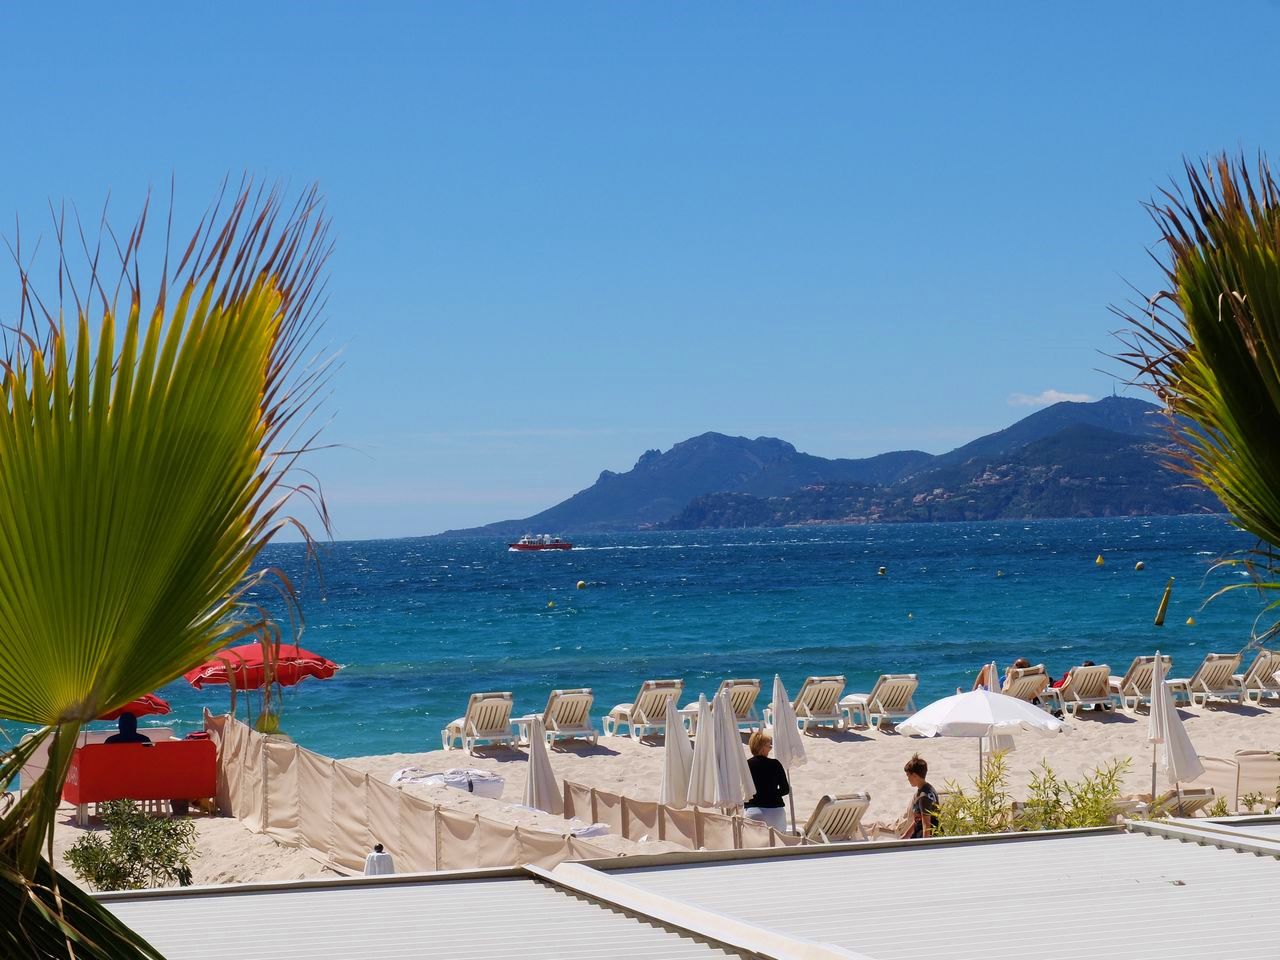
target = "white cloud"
x: 1046, y: 397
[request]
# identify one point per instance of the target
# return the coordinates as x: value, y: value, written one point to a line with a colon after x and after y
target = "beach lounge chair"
x: 488, y: 717
x: 1135, y: 686
x: 1185, y: 802
x: 1084, y: 687
x: 1026, y: 683
x: 648, y: 711
x: 1214, y: 679
x: 568, y: 715
x: 818, y: 702
x: 890, y: 700
x: 1262, y: 679
x: 836, y: 819
x: 742, y: 694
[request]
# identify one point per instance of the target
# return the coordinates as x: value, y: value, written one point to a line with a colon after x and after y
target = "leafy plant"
x: 1219, y: 808
x: 1209, y: 345
x: 986, y: 809
x: 1260, y: 800
x: 140, y: 851
x: 147, y: 449
x: 1093, y: 800
x: 1052, y: 803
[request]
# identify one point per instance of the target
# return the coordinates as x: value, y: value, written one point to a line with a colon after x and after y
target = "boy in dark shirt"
x: 924, y: 805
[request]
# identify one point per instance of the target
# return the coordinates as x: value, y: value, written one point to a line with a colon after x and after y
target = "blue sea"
x: 417, y: 624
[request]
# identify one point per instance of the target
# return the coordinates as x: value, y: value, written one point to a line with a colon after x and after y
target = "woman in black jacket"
x: 770, y: 779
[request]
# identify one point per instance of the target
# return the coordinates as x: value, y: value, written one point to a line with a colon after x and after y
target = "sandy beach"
x: 838, y: 762
x: 870, y: 761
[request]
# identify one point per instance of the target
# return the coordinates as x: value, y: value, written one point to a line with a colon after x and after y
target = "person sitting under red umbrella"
x: 128, y: 724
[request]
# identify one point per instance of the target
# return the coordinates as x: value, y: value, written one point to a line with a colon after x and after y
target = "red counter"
x: 167, y: 770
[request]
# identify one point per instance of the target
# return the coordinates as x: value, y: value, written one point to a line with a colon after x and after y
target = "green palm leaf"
x: 144, y: 457
x: 1209, y: 346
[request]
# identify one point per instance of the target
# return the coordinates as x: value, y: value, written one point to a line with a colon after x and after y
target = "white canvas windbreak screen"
x: 303, y: 799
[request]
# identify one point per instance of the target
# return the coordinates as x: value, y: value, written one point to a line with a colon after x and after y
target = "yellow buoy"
x: 550, y: 604
x: 1191, y: 621
x: 1099, y: 562
x: 911, y: 616
x: 582, y: 584
x: 881, y: 571
x: 1139, y: 565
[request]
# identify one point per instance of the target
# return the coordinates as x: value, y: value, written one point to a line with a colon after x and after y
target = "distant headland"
x: 1100, y: 459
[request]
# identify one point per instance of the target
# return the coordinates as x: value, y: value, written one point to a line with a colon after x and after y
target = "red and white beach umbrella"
x: 143, y: 706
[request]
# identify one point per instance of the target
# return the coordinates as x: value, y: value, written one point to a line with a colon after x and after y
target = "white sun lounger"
x: 1214, y: 679
x: 647, y: 712
x: 1186, y: 802
x: 488, y: 717
x: 568, y: 715
x: 836, y: 819
x: 818, y: 702
x: 1084, y: 687
x: 890, y: 700
x: 1135, y: 686
x: 1026, y: 683
x: 1262, y: 679
x: 742, y: 694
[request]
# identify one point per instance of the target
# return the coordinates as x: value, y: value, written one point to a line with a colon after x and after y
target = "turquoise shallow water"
x: 417, y: 624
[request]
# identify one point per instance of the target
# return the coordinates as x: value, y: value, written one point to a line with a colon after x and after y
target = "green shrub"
x: 139, y: 852
x: 1052, y: 803
x: 986, y: 809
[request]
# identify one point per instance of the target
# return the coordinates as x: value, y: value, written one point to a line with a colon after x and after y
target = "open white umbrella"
x: 540, y: 790
x: 737, y: 785
x: 677, y: 760
x: 1178, y: 759
x: 788, y: 744
x: 978, y: 714
x: 702, y: 769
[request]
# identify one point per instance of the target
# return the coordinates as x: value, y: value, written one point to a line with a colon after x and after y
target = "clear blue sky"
x: 570, y: 232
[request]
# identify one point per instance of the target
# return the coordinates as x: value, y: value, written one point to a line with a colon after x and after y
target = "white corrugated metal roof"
x: 458, y: 920
x: 1108, y: 894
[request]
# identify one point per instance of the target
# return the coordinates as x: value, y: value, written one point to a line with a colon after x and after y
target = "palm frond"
x: 143, y: 466
x: 1209, y: 345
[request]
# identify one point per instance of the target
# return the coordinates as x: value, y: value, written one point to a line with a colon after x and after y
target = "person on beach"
x: 1058, y: 683
x: 924, y: 805
x: 770, y: 779
x: 1020, y: 664
x: 378, y: 863
x: 128, y: 725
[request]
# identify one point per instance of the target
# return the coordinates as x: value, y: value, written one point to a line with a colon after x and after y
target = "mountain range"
x: 1103, y: 458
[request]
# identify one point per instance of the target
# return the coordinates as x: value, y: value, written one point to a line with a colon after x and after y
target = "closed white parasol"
x: 1171, y: 748
x: 540, y: 790
x: 702, y: 769
x: 731, y: 759
x: 788, y: 744
x: 677, y: 760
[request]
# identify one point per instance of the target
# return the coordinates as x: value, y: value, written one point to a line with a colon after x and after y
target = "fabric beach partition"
x: 540, y: 790
x: 1178, y: 758
x: 677, y: 760
x: 788, y: 744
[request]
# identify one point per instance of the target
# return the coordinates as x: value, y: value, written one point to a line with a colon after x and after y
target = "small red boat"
x: 543, y: 541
